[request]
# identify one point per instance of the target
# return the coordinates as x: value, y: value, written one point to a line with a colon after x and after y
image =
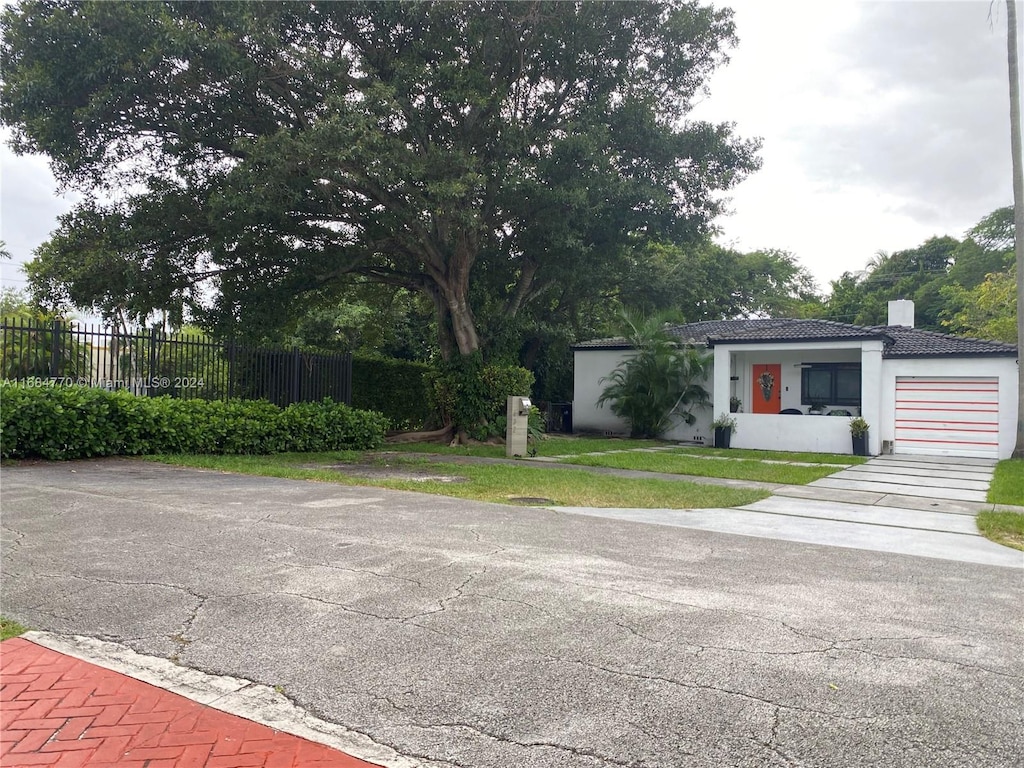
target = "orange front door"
x: 767, y: 387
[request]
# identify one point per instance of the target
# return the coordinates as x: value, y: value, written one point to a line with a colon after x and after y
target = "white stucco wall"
x: 814, y: 434
x: 589, y: 367
x: 1004, y: 368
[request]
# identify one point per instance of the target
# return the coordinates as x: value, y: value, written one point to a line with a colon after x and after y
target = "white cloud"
x: 884, y: 123
x: 29, y: 208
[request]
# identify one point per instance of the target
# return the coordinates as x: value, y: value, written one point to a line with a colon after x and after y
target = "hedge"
x: 81, y: 422
x: 472, y: 396
x: 396, y: 388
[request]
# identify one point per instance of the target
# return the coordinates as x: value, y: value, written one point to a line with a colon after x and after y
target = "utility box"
x: 517, y: 413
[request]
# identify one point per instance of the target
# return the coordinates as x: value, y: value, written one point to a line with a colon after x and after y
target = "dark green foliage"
x: 82, y: 422
x: 485, y: 155
x: 397, y: 388
x: 661, y: 383
x: 472, y: 396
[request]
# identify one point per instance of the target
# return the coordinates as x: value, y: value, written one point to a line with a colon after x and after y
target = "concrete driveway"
x: 939, y: 478
x: 465, y: 634
x: 907, y: 505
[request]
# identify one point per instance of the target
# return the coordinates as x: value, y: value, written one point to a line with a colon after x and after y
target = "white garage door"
x: 947, y: 416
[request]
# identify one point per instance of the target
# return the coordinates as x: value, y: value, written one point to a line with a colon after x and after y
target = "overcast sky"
x: 883, y: 123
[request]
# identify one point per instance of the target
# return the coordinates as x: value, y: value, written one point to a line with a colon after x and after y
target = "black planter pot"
x: 860, y: 445
x: 722, y: 437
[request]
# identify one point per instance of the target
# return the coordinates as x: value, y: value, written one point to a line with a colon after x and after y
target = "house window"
x: 830, y: 384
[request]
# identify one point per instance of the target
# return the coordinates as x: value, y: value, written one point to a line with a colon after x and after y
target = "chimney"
x: 901, y: 312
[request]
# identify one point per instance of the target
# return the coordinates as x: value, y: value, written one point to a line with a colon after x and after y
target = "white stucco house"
x: 922, y: 392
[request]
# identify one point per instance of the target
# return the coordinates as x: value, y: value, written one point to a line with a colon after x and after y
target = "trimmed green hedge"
x: 397, y: 388
x: 80, y: 422
x: 472, y: 396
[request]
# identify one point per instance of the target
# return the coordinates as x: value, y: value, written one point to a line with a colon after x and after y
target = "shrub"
x: 660, y: 383
x: 80, y: 422
x: 472, y: 396
x: 397, y: 388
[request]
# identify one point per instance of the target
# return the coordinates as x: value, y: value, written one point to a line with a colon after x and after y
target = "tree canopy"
x: 939, y: 275
x: 237, y: 158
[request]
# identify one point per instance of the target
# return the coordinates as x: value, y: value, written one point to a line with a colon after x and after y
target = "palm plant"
x: 660, y: 383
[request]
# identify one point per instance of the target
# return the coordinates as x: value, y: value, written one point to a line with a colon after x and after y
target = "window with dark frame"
x: 830, y: 384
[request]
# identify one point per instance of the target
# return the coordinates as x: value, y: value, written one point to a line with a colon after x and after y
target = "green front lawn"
x: 1006, y: 528
x: 550, y: 445
x: 1008, y: 483
x: 500, y: 483
x: 842, y: 459
x: 686, y: 463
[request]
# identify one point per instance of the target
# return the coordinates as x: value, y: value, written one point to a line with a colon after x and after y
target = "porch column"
x: 723, y: 370
x: 871, y: 393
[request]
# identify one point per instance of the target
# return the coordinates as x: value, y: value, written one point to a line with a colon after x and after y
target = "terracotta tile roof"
x: 898, y: 340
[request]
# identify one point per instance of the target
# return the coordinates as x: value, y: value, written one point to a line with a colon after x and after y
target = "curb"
x: 236, y: 696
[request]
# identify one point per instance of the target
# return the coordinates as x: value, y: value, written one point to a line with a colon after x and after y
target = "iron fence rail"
x: 153, y: 363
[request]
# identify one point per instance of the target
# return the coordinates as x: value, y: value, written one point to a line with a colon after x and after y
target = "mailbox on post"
x: 517, y: 412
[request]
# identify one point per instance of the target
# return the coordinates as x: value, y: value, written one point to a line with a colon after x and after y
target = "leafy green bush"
x: 396, y: 388
x: 659, y: 383
x: 472, y: 396
x: 79, y: 422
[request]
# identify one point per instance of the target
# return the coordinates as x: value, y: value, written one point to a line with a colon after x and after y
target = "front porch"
x: 778, y: 384
x: 812, y: 434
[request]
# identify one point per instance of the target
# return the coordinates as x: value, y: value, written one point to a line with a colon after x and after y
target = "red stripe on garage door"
x: 947, y: 416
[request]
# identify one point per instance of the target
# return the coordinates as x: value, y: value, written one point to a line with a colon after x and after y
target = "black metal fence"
x: 154, y: 363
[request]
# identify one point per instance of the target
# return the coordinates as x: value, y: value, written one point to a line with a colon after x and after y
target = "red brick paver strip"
x: 59, y: 711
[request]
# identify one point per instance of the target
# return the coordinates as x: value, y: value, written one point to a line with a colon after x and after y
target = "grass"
x: 843, y: 459
x: 564, y: 445
x: 1008, y: 483
x: 1006, y: 528
x: 10, y: 628
x: 679, y: 463
x: 551, y: 445
x: 494, y: 482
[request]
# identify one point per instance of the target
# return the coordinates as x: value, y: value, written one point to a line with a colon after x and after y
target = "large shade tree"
x: 249, y: 154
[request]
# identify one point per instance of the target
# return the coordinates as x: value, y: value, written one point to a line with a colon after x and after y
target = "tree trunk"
x: 1013, y: 60
x: 463, y: 324
x: 454, y: 287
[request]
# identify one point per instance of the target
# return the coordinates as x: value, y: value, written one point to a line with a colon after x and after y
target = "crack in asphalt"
x: 706, y: 687
x: 576, y: 751
x: 13, y: 547
x: 961, y: 664
x: 442, y: 606
x: 346, y: 569
x: 838, y: 644
x: 485, y: 596
x: 773, y: 740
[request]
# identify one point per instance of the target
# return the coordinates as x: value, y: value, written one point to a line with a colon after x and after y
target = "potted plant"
x: 859, y: 431
x: 735, y: 404
x: 816, y: 409
x: 724, y: 426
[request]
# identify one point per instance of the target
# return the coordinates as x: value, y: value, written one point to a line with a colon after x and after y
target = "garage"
x: 947, y: 416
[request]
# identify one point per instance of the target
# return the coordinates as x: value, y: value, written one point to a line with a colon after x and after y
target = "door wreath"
x: 767, y: 383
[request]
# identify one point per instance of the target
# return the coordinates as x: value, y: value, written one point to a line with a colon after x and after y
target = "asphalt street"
x: 469, y: 634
